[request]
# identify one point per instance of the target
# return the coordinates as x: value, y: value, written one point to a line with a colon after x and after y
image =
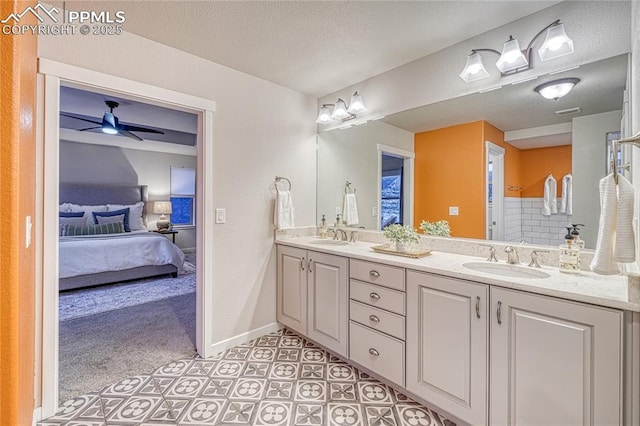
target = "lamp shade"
x: 340, y: 110
x: 324, y: 116
x: 474, y: 69
x: 556, y: 43
x: 357, y: 104
x: 511, y: 57
x: 162, y: 207
x: 557, y: 88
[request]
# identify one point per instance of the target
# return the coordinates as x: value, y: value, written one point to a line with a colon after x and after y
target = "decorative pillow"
x: 74, y: 220
x: 71, y: 214
x: 110, y: 219
x: 124, y: 212
x: 64, y: 207
x: 136, y: 221
x: 105, y: 228
x: 87, y: 211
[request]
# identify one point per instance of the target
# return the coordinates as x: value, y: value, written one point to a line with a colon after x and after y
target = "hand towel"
x: 566, y: 203
x: 350, y: 209
x: 625, y: 247
x: 283, y: 214
x: 550, y: 202
x: 603, y: 261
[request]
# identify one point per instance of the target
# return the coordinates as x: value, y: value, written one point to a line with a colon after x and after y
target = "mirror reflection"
x: 482, y: 161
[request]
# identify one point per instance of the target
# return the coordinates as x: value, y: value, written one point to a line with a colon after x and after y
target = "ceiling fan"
x: 111, y: 125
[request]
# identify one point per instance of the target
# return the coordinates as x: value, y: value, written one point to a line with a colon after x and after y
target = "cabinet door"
x: 554, y: 362
x: 327, y: 295
x: 292, y: 288
x: 447, y: 344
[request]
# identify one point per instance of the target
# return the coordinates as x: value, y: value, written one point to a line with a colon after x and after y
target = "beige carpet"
x: 101, y: 349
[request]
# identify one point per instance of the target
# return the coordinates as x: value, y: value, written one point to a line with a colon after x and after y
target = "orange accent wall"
x: 18, y: 67
x: 536, y: 164
x: 449, y: 172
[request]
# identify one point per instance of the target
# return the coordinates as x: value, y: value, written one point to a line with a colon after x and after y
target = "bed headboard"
x: 94, y: 194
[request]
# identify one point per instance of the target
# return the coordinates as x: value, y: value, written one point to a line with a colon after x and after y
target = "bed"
x: 91, y: 260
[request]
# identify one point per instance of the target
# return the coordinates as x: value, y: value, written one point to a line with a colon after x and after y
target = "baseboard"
x: 37, y: 415
x: 244, y: 337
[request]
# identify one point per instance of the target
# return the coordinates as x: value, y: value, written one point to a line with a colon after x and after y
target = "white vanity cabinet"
x: 554, y: 361
x: 312, y: 296
x: 447, y: 344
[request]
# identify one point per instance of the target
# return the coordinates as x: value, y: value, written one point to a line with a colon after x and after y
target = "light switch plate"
x: 27, y: 237
x: 453, y: 211
x: 221, y: 216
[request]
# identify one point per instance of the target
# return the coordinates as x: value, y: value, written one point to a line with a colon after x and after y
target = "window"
x: 183, y: 193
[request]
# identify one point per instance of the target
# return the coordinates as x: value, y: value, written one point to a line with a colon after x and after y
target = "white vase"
x: 401, y: 246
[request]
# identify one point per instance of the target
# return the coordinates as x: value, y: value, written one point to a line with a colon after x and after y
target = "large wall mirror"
x: 482, y: 161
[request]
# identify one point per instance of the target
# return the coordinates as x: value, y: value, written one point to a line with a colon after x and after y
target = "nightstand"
x: 167, y: 232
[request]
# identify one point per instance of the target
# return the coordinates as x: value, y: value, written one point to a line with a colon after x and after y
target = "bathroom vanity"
x: 485, y: 348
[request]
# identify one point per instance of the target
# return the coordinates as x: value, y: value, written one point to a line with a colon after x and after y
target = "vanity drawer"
x: 380, y: 297
x: 376, y: 273
x: 377, y: 352
x: 377, y: 319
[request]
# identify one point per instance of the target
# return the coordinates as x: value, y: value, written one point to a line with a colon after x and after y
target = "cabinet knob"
x: 374, y: 274
x: 374, y: 352
x: 374, y: 318
x: 374, y: 296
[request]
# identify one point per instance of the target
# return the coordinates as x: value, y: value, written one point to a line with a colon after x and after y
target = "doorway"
x: 51, y: 76
x: 494, y: 190
x: 395, y: 177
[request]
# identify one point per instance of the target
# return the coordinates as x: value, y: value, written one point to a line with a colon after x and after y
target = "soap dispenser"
x: 322, y: 228
x: 575, y: 233
x: 569, y: 254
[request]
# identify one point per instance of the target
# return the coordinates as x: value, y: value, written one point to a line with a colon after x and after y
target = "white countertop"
x: 613, y: 291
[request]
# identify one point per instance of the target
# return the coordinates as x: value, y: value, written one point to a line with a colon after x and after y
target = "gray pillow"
x: 104, y: 228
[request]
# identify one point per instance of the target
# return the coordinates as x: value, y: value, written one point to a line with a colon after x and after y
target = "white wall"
x: 260, y: 130
x: 89, y: 163
x: 588, y: 156
x: 352, y: 154
x: 435, y: 78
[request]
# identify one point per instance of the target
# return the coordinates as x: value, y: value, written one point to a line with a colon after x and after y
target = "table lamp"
x: 162, y: 208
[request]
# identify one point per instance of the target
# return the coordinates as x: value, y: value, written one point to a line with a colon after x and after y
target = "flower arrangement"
x: 401, y: 235
x: 439, y: 228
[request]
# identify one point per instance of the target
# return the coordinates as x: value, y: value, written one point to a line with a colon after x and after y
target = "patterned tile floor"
x: 277, y: 379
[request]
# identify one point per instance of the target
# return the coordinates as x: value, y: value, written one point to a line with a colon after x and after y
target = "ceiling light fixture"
x: 513, y: 59
x: 339, y: 111
x: 557, y: 88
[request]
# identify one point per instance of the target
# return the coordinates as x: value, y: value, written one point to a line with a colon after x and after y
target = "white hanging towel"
x: 550, y: 202
x: 603, y: 261
x: 283, y: 214
x: 350, y: 209
x: 566, y: 203
x: 625, y: 247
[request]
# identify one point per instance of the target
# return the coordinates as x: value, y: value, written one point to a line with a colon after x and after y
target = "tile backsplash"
x: 524, y: 221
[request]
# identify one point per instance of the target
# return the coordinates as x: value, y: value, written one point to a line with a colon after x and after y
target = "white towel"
x: 603, y: 261
x: 350, y: 209
x: 625, y: 247
x: 550, y: 202
x: 566, y: 203
x: 283, y: 214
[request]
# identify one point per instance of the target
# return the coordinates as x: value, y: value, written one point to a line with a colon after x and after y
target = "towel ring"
x: 279, y: 179
x: 347, y: 188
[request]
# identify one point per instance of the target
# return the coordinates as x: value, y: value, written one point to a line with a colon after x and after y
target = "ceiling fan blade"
x: 89, y: 128
x: 83, y: 119
x: 130, y: 135
x: 139, y: 129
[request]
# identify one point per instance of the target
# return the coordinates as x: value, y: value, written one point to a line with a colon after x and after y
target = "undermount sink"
x: 329, y: 242
x: 506, y: 270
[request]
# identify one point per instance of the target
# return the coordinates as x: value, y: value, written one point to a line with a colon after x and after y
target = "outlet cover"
x: 221, y: 216
x: 453, y: 211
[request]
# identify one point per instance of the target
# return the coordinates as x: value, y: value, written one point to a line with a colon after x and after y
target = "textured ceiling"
x: 315, y: 47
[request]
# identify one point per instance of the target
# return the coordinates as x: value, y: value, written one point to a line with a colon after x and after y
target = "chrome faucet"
x: 512, y: 255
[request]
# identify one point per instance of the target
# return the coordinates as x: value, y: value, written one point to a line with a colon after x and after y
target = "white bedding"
x: 91, y: 254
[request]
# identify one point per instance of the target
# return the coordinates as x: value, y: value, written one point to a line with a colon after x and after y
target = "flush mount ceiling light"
x: 339, y: 111
x: 513, y: 59
x: 557, y: 88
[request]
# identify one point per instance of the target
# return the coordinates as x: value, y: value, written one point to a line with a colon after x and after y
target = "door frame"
x: 497, y: 178
x: 51, y: 75
x: 407, y: 184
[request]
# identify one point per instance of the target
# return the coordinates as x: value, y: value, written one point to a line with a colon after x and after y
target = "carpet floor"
x: 100, y: 349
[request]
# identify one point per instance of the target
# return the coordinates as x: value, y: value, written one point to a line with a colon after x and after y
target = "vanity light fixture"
x: 339, y: 111
x: 557, y: 88
x: 512, y: 59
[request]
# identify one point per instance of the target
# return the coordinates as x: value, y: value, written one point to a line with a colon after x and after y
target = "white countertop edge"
x: 611, y: 291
